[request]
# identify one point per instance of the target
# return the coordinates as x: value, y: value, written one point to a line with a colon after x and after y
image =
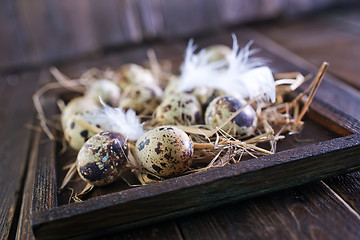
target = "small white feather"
x: 245, y: 76
x: 117, y: 120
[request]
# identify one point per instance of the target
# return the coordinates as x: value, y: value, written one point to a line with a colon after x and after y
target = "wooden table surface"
x: 328, y: 209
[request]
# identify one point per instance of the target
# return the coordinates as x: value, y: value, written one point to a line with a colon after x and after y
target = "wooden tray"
x: 328, y: 145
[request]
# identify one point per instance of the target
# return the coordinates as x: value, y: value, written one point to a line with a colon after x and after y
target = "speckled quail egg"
x: 79, y: 104
x: 133, y: 73
x: 75, y: 134
x: 215, y: 53
x: 165, y: 151
x: 141, y: 97
x: 205, y: 95
x: 223, y: 107
x: 102, y: 158
x: 106, y: 89
x: 171, y: 87
x: 180, y: 108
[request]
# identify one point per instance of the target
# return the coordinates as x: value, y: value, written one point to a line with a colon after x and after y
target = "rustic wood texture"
x: 348, y: 187
x: 285, y: 215
x: 315, y: 40
x: 24, y: 230
x: 11, y: 44
x: 163, y: 230
x: 16, y: 113
x: 47, y: 31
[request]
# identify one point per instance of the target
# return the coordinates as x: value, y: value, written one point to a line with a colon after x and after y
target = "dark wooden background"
x: 43, y: 31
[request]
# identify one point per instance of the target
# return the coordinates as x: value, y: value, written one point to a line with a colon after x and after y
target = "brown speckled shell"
x: 221, y: 108
x: 76, y: 135
x: 102, y: 158
x: 76, y: 105
x: 180, y: 108
x: 165, y: 151
x: 141, y: 97
x: 133, y: 74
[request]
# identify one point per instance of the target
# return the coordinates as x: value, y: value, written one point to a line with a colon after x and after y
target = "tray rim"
x: 347, y: 125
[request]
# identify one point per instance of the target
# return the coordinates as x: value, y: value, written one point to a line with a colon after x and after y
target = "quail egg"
x: 75, y: 134
x: 102, y: 158
x: 165, y: 151
x: 133, y: 73
x: 215, y: 53
x: 106, y: 89
x: 79, y: 104
x: 171, y: 87
x: 205, y: 95
x: 223, y: 107
x: 141, y: 97
x: 180, y: 108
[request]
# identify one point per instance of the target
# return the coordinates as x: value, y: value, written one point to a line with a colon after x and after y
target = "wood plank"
x: 17, y: 111
x: 348, y: 187
x: 24, y: 230
x: 192, y: 18
x: 329, y: 37
x: 61, y: 30
x: 164, y: 230
x: 11, y: 45
x: 237, y: 12
x: 106, y: 21
x: 130, y: 22
x: 152, y: 18
x: 299, y: 213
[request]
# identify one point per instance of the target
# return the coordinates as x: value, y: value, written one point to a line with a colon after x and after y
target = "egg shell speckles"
x: 76, y: 135
x: 134, y: 74
x: 221, y: 108
x: 77, y: 105
x: 141, y: 97
x: 180, y: 108
x: 102, y: 158
x: 165, y: 151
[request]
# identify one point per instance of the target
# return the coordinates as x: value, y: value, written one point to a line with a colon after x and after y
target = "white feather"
x: 117, y: 120
x: 245, y: 76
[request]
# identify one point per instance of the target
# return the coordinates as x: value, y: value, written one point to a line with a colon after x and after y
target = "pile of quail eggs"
x: 165, y: 150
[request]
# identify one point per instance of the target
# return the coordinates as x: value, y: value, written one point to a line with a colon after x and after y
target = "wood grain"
x: 322, y: 34
x: 348, y: 187
x: 17, y: 111
x: 189, y: 19
x: 11, y: 42
x: 24, y: 230
x: 163, y: 230
x: 297, y: 213
x: 152, y: 18
x: 46, y: 31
